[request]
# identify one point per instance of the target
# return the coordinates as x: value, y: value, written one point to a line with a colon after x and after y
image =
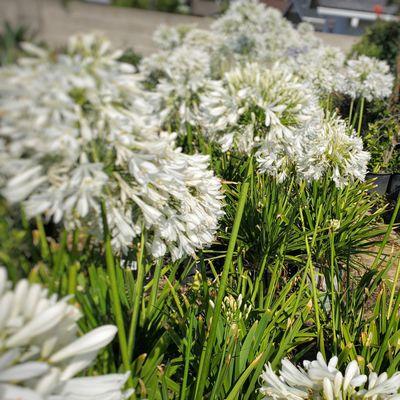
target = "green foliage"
x: 160, y: 5
x: 286, y: 213
x: 131, y: 57
x: 17, y: 252
x: 381, y: 40
x: 382, y: 140
x: 273, y: 277
x: 10, y: 39
x: 360, y: 311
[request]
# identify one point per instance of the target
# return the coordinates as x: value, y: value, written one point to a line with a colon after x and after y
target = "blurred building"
x: 349, y: 17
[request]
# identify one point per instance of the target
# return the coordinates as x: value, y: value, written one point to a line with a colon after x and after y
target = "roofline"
x: 369, y: 16
x: 313, y: 20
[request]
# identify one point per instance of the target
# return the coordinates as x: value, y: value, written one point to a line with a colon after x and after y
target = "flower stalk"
x: 207, y: 351
x: 138, y: 298
x: 116, y: 303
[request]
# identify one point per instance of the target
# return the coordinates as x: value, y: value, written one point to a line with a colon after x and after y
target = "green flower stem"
x: 333, y: 291
x: 206, y: 354
x: 72, y: 275
x: 351, y: 110
x: 44, y: 246
x: 259, y: 278
x: 188, y: 349
x: 138, y: 298
x: 355, y: 115
x: 360, y: 116
x: 189, y: 137
x: 393, y: 291
x: 314, y: 289
x: 154, y: 288
x: 115, y: 299
x: 59, y: 263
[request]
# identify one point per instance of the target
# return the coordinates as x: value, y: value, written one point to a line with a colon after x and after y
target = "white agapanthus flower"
x: 41, y: 351
x: 255, y: 32
x: 332, y: 148
x: 319, y: 67
x: 366, y: 77
x: 322, y: 380
x: 182, y: 78
x: 168, y: 37
x: 258, y: 33
x: 253, y: 104
x: 77, y: 131
x: 327, y: 147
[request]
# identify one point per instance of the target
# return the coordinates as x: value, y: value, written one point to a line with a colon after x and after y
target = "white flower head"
x: 183, y: 74
x: 41, y: 352
x: 250, y: 30
x: 169, y: 37
x: 253, y: 104
x: 322, y: 380
x: 320, y: 66
x: 366, y: 77
x: 332, y: 148
x: 78, y: 131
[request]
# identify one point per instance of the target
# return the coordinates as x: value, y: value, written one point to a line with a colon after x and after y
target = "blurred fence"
x: 53, y: 21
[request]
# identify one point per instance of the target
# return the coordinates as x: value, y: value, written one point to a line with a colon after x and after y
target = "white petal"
x: 92, y: 341
x: 23, y: 371
x: 40, y: 324
x: 11, y: 392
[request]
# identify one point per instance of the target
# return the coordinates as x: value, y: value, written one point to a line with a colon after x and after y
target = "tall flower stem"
x: 138, y: 298
x: 351, y: 110
x: 72, y: 277
x: 155, y: 287
x: 360, y: 116
x: 312, y: 273
x: 206, y: 354
x: 189, y: 137
x: 115, y: 299
x: 44, y: 246
x: 188, y: 348
x: 333, y: 291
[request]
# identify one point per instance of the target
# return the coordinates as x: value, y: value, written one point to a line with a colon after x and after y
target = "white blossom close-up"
x: 41, y: 351
x: 319, y: 380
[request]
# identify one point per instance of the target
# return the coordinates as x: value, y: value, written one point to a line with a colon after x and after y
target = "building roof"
x: 360, y: 5
x: 282, y: 5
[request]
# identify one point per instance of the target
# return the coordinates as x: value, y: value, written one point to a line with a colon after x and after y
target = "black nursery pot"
x: 389, y: 186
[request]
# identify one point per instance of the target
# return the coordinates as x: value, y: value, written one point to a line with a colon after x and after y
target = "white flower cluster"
x: 77, y: 131
x: 366, y: 77
x: 320, y: 67
x: 321, y: 380
x: 251, y: 32
x: 40, y: 351
x: 324, y: 147
x: 254, y: 103
x: 176, y: 95
x: 255, y: 32
x: 276, y: 114
x: 332, y: 148
x: 253, y: 84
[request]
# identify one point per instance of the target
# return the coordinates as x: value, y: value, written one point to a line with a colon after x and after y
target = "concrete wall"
x: 126, y: 27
